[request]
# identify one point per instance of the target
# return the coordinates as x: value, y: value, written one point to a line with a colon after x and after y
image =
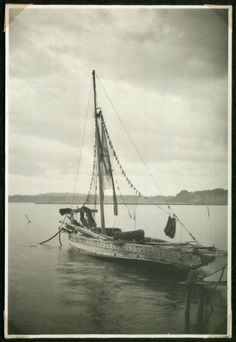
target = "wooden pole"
x: 188, y: 299
x: 188, y: 307
x: 201, y: 303
x: 101, y: 193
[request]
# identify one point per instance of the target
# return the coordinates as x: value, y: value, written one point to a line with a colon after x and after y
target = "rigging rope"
x: 81, y: 148
x: 52, y: 237
x: 221, y: 275
x: 129, y: 136
x: 183, y: 225
x: 143, y: 161
x: 92, y: 176
x: 123, y: 200
x: 135, y: 210
x: 95, y: 190
x: 122, y: 170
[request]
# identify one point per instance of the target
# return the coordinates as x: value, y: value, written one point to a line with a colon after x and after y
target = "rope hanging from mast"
x: 81, y: 148
x: 117, y: 160
x: 131, y: 185
x: 95, y: 189
x: 138, y: 153
x: 93, y: 176
x: 123, y: 200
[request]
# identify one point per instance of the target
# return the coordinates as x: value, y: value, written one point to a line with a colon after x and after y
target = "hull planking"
x: 177, y: 256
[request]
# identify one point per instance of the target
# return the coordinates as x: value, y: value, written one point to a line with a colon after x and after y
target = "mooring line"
x: 41, y: 243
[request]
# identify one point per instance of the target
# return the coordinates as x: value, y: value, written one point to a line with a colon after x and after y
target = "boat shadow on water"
x: 132, y: 293
x: 108, y: 286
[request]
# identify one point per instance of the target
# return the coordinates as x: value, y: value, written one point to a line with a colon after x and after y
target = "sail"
x: 106, y: 168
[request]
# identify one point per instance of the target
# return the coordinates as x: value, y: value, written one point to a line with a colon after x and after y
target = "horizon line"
x: 85, y: 194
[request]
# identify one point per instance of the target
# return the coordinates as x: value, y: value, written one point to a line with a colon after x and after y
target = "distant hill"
x: 207, y: 197
x: 215, y: 196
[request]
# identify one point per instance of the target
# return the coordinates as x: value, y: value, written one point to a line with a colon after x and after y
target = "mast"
x: 98, y: 144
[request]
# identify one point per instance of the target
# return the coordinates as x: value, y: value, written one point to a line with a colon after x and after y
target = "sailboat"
x: 113, y: 243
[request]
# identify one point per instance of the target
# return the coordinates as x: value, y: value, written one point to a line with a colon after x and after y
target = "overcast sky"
x: 165, y: 71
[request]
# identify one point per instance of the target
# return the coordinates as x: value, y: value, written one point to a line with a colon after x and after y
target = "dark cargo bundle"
x: 170, y: 227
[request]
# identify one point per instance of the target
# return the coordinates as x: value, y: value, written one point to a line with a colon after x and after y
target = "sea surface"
x: 57, y: 290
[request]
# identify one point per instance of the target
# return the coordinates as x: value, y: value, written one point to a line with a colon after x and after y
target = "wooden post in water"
x: 189, y: 287
x: 201, y: 304
x: 187, y: 308
x: 188, y: 300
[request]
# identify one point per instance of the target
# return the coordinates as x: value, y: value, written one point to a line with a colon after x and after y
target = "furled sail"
x: 106, y: 168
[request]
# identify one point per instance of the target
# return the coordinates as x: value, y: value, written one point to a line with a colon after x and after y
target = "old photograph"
x: 118, y: 171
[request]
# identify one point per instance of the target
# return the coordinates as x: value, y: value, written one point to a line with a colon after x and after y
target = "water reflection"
x: 56, y: 290
x: 205, y: 311
x: 141, y: 298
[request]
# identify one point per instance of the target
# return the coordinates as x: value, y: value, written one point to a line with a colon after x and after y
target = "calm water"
x: 55, y: 290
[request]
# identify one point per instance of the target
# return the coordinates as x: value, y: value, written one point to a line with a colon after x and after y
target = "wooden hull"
x: 177, y: 256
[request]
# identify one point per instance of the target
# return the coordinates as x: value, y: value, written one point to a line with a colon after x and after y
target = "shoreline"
x: 164, y: 204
